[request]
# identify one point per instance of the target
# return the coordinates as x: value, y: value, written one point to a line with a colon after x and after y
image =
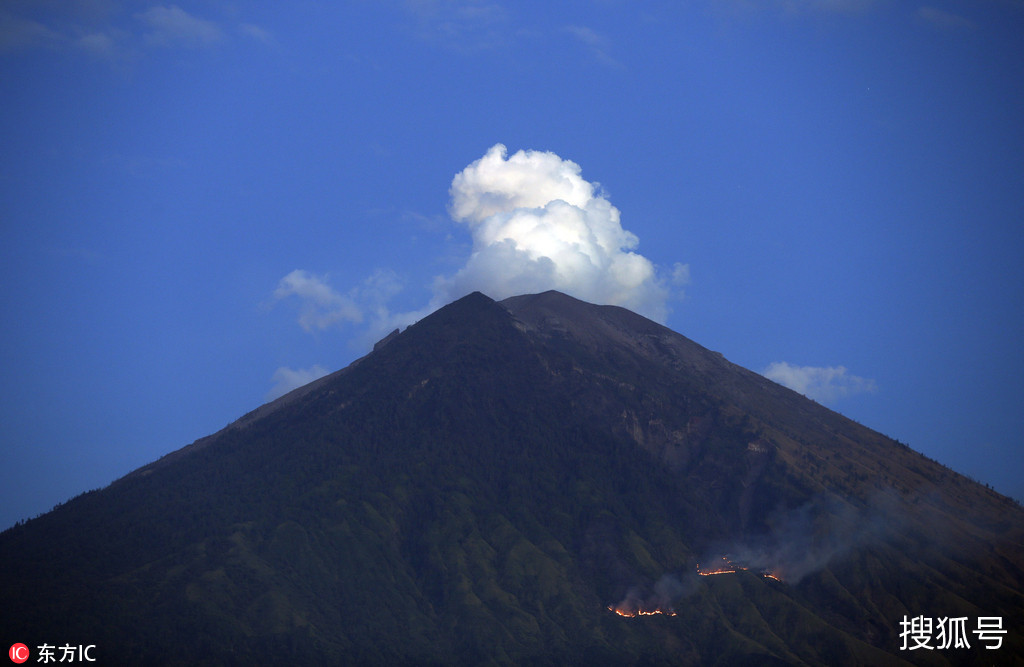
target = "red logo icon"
x: 19, y: 653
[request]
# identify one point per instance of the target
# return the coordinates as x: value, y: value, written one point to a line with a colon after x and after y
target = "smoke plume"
x: 806, y: 539
x: 537, y: 225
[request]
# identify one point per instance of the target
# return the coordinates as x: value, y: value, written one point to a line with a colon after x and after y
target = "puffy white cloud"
x: 821, y: 383
x: 285, y: 379
x: 537, y: 225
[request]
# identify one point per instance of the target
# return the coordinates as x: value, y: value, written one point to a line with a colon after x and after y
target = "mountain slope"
x: 491, y: 483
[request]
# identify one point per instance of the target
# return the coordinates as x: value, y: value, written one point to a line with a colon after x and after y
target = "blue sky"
x: 204, y: 203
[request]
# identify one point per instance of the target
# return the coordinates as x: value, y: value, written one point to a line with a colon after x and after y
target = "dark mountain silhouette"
x: 500, y: 483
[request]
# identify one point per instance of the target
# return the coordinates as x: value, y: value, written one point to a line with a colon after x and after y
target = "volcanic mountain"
x: 538, y: 480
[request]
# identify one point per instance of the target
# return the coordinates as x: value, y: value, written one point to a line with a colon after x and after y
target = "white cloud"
x: 174, y: 26
x: 821, y: 383
x: 680, y: 274
x: 322, y: 307
x: 538, y: 225
x: 285, y: 379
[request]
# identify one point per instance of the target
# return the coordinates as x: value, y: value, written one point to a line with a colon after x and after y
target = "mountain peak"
x: 504, y: 481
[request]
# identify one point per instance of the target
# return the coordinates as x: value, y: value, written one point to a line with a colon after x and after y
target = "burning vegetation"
x: 726, y: 566
x: 670, y: 588
x: 633, y: 613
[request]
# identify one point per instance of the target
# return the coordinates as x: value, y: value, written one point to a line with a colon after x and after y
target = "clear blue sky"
x: 203, y: 203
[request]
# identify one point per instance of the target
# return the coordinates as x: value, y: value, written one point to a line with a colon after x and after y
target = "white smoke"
x: 806, y: 539
x: 538, y: 225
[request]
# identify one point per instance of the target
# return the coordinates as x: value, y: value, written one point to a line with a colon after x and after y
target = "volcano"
x: 538, y: 480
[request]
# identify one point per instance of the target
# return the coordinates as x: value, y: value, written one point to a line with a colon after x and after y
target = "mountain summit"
x: 537, y: 480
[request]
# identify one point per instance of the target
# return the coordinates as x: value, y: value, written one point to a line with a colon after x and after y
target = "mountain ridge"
x: 492, y: 484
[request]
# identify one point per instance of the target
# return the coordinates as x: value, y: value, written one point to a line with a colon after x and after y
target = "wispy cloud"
x: 321, y: 307
x: 109, y: 31
x: 844, y: 6
x: 943, y: 20
x: 460, y: 25
x: 596, y: 44
x: 17, y: 33
x: 256, y: 32
x: 286, y: 379
x: 753, y: 7
x: 173, y: 26
x: 100, y: 44
x: 821, y: 383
